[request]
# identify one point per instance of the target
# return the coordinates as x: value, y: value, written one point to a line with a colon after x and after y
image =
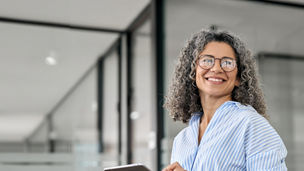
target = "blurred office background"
x: 82, y: 82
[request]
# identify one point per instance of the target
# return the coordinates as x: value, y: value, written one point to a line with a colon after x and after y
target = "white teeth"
x: 215, y: 79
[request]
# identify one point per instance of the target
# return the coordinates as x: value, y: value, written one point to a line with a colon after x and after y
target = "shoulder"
x: 249, y: 115
x: 238, y: 114
x: 263, y: 146
x: 254, y: 122
x: 260, y: 136
x: 262, y: 143
x: 258, y: 130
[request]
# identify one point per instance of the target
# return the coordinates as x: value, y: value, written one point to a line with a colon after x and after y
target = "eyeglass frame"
x: 220, y: 59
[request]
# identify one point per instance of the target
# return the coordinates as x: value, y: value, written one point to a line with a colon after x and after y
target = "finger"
x: 166, y: 169
x: 172, y: 166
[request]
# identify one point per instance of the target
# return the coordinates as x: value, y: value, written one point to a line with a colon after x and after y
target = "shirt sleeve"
x: 265, y: 150
x: 173, y: 153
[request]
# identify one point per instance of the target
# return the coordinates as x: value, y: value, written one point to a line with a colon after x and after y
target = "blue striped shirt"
x: 236, y: 138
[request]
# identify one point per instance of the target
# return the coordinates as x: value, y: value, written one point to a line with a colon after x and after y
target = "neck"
x: 210, y: 105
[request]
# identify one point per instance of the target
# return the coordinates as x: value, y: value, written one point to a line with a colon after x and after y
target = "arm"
x: 172, y: 160
x: 174, y: 166
x: 264, y: 148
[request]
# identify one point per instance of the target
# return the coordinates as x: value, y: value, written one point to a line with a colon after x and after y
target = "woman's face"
x: 215, y: 82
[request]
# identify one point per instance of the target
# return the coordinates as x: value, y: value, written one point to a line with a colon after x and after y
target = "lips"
x: 215, y: 79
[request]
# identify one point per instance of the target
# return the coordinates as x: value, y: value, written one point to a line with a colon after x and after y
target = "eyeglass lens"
x: 207, y: 62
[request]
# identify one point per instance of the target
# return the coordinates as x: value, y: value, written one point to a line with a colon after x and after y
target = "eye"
x: 227, y: 63
x: 207, y: 61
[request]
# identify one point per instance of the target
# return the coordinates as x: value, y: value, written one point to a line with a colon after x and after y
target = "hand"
x: 174, y: 167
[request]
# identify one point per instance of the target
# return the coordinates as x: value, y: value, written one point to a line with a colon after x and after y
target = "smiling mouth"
x: 215, y: 80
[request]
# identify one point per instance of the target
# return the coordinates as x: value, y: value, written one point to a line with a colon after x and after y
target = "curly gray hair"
x: 183, y: 98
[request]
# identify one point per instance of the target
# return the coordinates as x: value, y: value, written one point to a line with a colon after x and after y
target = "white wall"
x: 284, y: 96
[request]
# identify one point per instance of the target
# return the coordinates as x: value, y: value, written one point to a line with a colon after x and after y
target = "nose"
x: 217, y: 67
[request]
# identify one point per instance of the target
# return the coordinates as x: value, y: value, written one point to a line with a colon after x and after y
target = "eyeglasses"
x: 207, y: 62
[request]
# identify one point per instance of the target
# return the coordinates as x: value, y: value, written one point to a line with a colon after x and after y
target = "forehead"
x: 218, y: 50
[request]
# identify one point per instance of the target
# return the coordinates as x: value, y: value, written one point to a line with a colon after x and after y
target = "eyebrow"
x: 215, y: 57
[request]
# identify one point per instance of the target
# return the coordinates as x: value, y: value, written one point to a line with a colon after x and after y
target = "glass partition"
x: 143, y: 98
x: 49, y: 104
x: 110, y: 107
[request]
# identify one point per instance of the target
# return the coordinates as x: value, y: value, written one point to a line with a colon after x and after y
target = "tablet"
x: 129, y: 167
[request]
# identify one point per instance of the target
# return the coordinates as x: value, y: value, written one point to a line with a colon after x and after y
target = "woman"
x: 216, y: 90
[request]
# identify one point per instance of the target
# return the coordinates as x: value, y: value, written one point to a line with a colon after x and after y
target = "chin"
x: 217, y: 94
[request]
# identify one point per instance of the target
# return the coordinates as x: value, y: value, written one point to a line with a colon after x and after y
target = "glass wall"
x: 74, y: 122
x: 143, y: 98
x: 48, y: 111
x: 110, y: 104
x: 65, y: 111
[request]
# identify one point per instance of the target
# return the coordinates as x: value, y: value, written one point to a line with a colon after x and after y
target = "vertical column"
x: 158, y: 54
x: 100, y: 103
x: 119, y: 104
x: 51, y: 136
x: 129, y: 96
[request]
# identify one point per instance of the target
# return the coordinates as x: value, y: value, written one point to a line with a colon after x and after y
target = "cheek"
x: 199, y: 72
x: 196, y: 74
x: 199, y: 75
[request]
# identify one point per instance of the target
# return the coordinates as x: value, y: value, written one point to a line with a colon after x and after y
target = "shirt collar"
x: 196, y: 115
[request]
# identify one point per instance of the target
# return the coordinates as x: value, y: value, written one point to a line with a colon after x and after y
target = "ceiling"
x: 113, y: 14
x: 29, y: 87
